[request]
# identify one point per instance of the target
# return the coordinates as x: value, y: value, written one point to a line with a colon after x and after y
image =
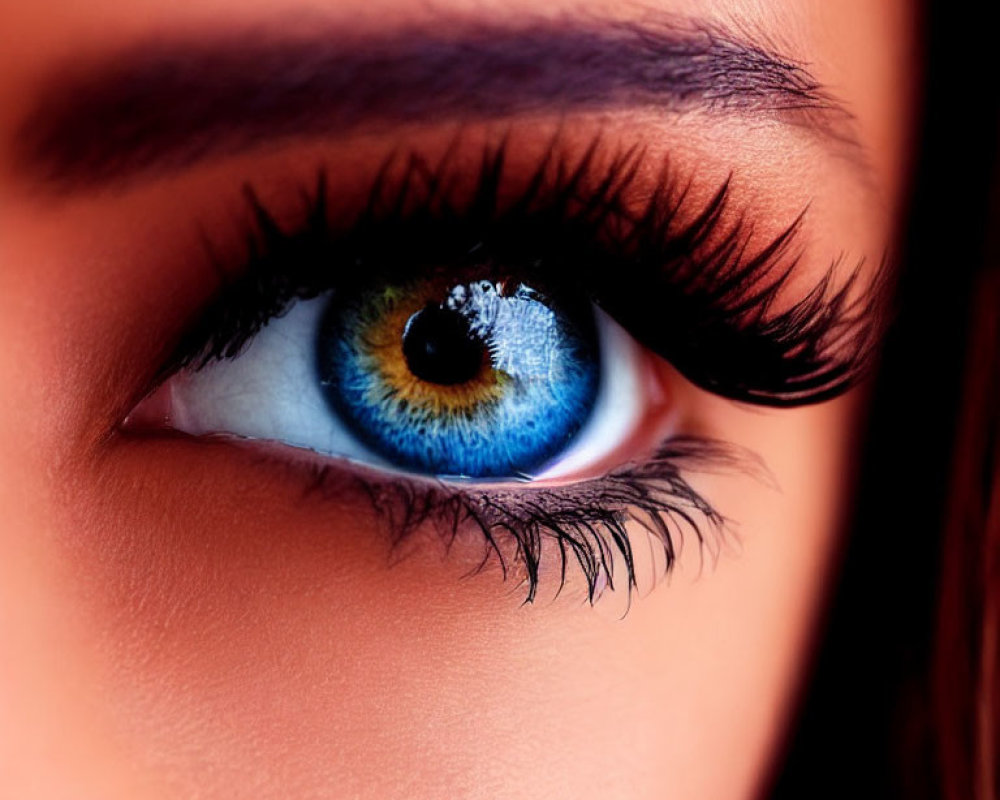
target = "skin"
x: 179, y: 622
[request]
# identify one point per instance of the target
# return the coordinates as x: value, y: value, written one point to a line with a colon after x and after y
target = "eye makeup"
x: 683, y: 279
x: 683, y: 275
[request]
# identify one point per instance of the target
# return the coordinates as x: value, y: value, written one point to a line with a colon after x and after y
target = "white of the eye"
x: 270, y: 391
x: 618, y: 408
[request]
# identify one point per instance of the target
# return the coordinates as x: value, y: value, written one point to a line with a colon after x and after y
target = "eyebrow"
x: 165, y: 105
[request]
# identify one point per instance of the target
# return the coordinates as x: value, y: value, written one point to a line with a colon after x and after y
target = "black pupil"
x: 440, y: 348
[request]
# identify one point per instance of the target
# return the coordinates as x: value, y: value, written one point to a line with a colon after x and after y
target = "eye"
x: 470, y: 375
x: 489, y: 349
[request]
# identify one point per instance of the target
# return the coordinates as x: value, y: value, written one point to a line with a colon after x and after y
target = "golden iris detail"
x: 381, y: 348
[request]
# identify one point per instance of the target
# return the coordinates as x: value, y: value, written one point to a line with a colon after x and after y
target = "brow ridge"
x: 165, y: 105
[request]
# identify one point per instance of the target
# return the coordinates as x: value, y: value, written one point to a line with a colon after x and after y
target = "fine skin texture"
x: 179, y: 619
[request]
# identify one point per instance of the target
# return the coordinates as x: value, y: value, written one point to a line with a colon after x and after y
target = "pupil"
x: 439, y: 347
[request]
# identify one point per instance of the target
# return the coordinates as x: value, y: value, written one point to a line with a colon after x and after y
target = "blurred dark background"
x: 871, y: 722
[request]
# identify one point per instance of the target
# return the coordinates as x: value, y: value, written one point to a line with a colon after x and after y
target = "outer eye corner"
x: 618, y: 410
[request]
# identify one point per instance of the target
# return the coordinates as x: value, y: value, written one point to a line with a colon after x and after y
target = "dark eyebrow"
x: 164, y: 105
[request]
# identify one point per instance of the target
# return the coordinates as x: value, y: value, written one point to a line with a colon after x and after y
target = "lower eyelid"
x: 539, y: 537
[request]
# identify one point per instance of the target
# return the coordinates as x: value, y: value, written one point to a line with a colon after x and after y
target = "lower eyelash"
x: 586, y: 520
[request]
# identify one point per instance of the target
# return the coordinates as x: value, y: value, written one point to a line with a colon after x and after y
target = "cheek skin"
x: 55, y: 739
x: 248, y: 647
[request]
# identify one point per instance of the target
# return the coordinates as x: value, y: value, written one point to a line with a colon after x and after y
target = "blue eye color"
x: 476, y: 378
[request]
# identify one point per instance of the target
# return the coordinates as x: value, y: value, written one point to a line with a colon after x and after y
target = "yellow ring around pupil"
x: 381, y: 343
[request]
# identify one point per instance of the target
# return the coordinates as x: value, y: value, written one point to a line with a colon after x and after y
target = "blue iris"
x: 480, y: 379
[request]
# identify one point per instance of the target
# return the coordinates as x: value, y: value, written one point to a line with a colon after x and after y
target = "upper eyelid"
x: 164, y: 105
x: 833, y: 332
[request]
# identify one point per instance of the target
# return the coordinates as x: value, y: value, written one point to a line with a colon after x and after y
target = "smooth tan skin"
x: 177, y: 622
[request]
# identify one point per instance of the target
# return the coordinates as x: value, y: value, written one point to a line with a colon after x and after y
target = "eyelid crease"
x: 687, y: 285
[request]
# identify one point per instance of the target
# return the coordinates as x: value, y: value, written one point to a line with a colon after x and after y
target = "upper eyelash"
x: 686, y: 285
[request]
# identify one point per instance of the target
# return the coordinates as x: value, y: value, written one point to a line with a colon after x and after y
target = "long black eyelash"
x: 690, y: 286
x: 585, y: 520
